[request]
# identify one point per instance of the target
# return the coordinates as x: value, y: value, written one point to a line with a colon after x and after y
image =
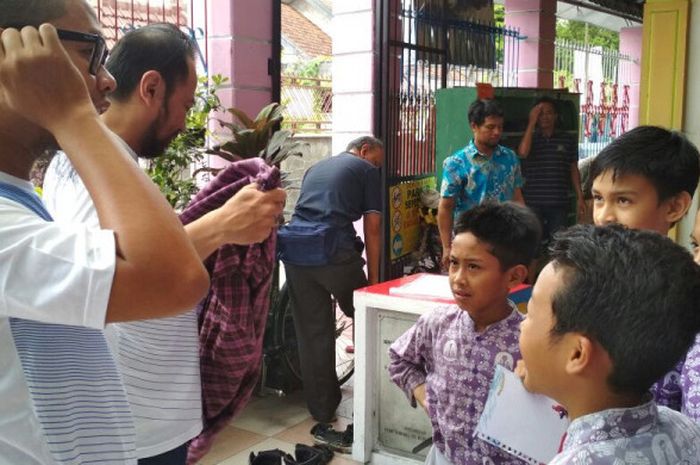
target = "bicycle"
x: 281, y: 371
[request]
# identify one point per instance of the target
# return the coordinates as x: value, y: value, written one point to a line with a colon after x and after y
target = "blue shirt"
x: 470, y: 177
x: 337, y: 191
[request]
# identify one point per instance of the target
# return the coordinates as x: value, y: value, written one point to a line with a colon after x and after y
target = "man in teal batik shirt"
x: 483, y: 170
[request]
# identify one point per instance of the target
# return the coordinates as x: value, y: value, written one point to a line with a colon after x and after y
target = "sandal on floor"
x: 339, y: 441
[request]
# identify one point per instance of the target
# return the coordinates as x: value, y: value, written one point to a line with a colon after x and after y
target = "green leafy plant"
x: 172, y: 171
x: 247, y: 138
x: 308, y: 69
x: 578, y: 31
x: 259, y: 137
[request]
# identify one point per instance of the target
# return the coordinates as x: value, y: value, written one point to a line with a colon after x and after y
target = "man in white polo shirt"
x: 154, y: 67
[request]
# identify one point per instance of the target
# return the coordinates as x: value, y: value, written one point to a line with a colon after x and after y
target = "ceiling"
x: 599, y: 15
x: 634, y: 8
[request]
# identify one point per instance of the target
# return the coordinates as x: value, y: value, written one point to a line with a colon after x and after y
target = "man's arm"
x: 526, y: 142
x: 444, y: 219
x: 158, y: 272
x: 372, y: 229
x: 518, y: 196
x: 576, y: 182
x: 246, y: 218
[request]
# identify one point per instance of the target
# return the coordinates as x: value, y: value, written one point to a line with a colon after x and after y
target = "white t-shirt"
x: 57, y: 274
x: 158, y: 359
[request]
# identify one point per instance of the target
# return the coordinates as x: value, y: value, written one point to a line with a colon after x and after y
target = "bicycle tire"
x: 286, y: 338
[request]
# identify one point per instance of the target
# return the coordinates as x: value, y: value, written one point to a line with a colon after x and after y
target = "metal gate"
x: 422, y: 48
x: 604, y: 77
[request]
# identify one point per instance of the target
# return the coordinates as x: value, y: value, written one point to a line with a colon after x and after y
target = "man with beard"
x: 154, y: 67
x: 62, y: 397
x: 483, y: 170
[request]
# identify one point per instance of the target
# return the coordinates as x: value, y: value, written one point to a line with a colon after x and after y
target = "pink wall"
x: 240, y: 44
x: 537, y: 21
x: 631, y: 44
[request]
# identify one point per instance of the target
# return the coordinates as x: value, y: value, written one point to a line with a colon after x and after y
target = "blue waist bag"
x: 307, y: 244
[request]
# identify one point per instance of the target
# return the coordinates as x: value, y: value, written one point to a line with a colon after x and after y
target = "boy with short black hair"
x: 446, y: 361
x: 645, y: 179
x: 596, y: 337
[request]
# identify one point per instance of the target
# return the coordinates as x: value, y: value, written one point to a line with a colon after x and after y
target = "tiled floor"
x: 274, y: 423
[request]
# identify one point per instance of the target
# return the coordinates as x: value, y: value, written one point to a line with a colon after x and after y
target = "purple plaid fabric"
x: 232, y: 317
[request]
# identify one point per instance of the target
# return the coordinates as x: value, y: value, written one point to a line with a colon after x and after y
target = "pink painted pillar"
x: 536, y: 19
x: 240, y: 44
x: 631, y: 72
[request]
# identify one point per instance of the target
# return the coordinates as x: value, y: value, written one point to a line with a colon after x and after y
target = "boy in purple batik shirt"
x: 645, y: 179
x: 690, y: 372
x: 609, y: 315
x: 446, y: 361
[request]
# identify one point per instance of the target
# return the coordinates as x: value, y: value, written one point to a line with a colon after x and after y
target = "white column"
x: 353, y: 70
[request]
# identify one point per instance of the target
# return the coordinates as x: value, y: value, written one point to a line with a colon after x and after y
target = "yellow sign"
x: 404, y: 215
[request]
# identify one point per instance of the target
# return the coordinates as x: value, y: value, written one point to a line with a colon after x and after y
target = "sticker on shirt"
x: 663, y: 449
x: 505, y: 359
x: 449, y: 350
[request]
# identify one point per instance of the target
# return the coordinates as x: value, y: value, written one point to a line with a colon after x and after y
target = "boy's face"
x: 543, y: 360
x: 631, y: 200
x: 695, y: 239
x: 478, y: 284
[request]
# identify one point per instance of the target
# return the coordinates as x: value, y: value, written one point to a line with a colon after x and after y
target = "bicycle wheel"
x: 344, y: 333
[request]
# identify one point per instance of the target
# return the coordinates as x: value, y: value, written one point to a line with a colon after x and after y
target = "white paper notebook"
x: 528, y: 426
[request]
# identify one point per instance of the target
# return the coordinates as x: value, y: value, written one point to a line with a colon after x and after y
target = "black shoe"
x: 324, y: 434
x: 270, y: 457
x: 312, y: 455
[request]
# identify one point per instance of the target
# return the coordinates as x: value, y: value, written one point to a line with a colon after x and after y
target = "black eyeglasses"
x: 99, y: 47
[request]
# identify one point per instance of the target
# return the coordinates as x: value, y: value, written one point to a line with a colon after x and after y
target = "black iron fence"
x: 423, y: 50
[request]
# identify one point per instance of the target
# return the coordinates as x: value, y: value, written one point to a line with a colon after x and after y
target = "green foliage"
x: 258, y: 137
x: 499, y: 15
x: 597, y: 36
x: 171, y: 171
x: 575, y: 31
x: 308, y: 69
x: 249, y: 138
x: 571, y: 30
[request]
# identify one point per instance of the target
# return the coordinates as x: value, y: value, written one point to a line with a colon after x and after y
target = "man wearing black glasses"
x: 155, y: 69
x: 63, y: 400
